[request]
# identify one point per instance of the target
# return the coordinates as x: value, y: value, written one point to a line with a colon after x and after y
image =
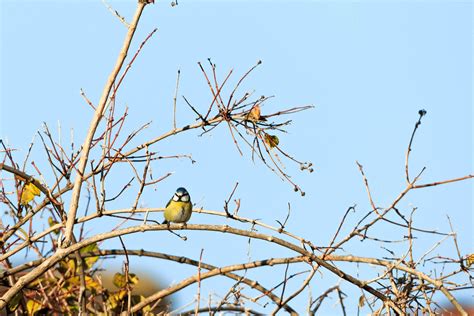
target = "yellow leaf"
x: 121, y: 294
x: 32, y: 307
x: 28, y: 193
x: 132, y: 278
x: 271, y: 140
x: 112, y: 301
x: 92, y: 284
x: 120, y: 281
x: 67, y: 266
x: 71, y: 265
x: 361, y: 301
x: 51, y: 223
x: 115, y: 298
x: 90, y: 260
x: 470, y: 260
x: 75, y: 281
x: 146, y: 309
x: 72, y: 282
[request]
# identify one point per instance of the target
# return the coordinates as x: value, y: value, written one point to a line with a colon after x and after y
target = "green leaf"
x: 15, y: 302
x: 119, y: 280
x: 51, y: 223
x: 90, y: 260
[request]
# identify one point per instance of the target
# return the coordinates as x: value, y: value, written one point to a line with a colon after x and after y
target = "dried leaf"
x: 470, y: 260
x: 254, y: 114
x: 28, y: 193
x: 271, y: 140
x: 361, y: 301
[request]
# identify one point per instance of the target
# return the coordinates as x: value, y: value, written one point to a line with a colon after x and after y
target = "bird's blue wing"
x: 169, y: 202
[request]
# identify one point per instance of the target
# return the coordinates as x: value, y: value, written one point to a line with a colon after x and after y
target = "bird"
x: 179, y: 208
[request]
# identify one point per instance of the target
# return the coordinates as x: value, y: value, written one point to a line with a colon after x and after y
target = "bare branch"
x: 76, y: 193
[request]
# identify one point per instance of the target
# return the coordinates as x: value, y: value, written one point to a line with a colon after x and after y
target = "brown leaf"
x: 271, y: 140
x: 254, y: 114
x: 470, y: 260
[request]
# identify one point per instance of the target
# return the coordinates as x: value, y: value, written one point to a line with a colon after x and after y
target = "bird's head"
x: 181, y: 195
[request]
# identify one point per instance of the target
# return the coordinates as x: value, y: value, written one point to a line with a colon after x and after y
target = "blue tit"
x: 179, y: 208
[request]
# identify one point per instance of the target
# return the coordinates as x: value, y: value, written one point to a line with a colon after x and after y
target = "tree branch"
x: 76, y: 191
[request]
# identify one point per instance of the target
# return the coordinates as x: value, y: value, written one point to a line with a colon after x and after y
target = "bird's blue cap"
x: 181, y: 191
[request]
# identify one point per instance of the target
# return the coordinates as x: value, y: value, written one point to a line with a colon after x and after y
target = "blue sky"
x: 366, y: 66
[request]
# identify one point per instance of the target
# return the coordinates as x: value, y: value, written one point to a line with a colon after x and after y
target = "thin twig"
x: 407, y: 156
x: 198, y: 295
x: 175, y: 99
x: 76, y: 193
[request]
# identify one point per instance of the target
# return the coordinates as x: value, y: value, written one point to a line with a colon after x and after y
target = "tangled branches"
x: 63, y: 257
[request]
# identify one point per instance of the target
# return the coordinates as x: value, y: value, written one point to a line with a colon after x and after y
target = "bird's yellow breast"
x: 178, y: 212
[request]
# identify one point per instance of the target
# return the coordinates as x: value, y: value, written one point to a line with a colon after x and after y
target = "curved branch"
x: 208, y: 310
x: 60, y: 254
x: 253, y: 284
x: 150, y: 210
x: 216, y: 271
x: 181, y: 259
x: 390, y: 265
x: 86, y: 218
